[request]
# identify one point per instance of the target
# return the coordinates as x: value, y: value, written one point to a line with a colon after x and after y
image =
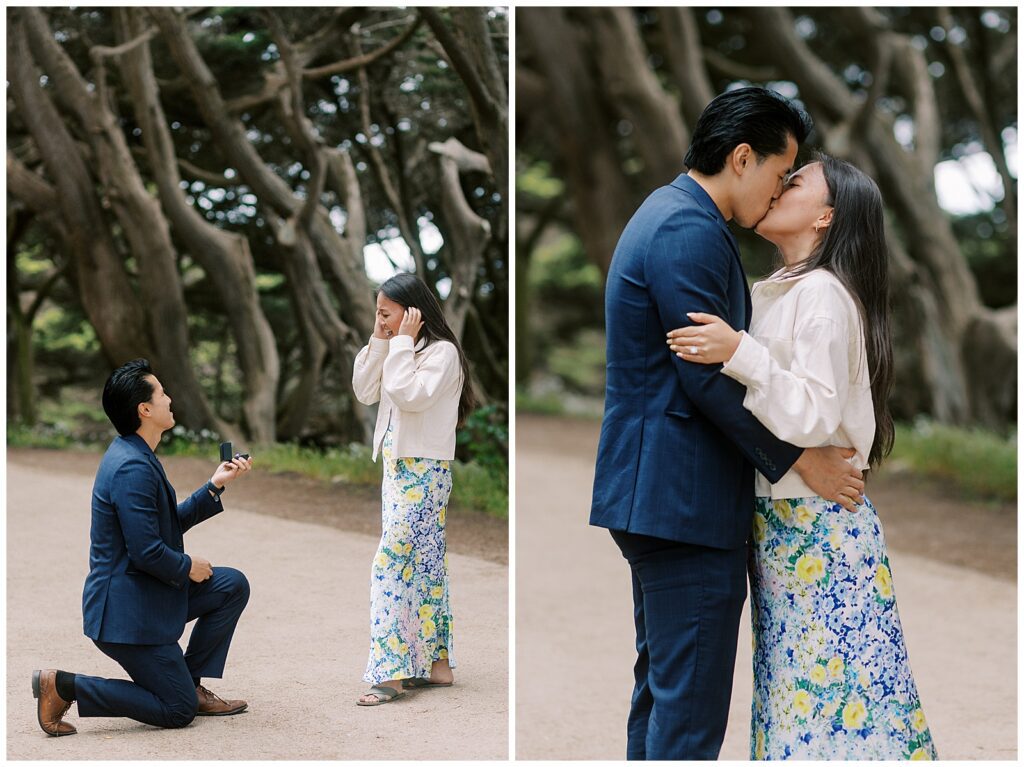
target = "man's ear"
x: 741, y: 157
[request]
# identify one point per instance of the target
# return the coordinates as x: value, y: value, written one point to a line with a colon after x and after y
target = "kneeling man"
x: 142, y: 587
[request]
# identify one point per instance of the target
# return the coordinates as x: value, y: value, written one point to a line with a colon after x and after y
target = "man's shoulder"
x: 123, y: 458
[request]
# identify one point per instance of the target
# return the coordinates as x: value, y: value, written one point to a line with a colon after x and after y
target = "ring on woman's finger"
x: 693, y: 350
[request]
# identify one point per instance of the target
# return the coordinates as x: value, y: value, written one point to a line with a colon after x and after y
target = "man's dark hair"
x: 124, y: 391
x: 756, y: 116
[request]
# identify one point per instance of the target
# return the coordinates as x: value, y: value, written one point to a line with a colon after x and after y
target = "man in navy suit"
x: 675, y: 467
x: 142, y: 587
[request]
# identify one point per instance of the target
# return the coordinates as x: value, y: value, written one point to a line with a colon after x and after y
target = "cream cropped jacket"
x: 805, y: 367
x: 418, y: 388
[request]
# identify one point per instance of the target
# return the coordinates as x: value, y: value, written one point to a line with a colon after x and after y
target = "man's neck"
x: 715, y: 188
x: 150, y: 435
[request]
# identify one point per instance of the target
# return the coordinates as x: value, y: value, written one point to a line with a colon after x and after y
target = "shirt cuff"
x: 401, y: 343
x: 748, y: 358
x: 378, y: 345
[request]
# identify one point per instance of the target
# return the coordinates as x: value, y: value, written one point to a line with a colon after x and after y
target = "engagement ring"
x: 693, y: 350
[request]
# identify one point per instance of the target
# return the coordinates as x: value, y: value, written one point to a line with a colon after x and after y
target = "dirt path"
x: 954, y: 566
x: 300, y: 647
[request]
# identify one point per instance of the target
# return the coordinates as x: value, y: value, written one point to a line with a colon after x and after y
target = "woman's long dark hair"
x: 409, y: 290
x: 855, y: 251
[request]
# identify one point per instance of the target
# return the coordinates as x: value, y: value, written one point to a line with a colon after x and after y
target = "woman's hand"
x: 412, y: 321
x: 380, y: 330
x: 710, y: 341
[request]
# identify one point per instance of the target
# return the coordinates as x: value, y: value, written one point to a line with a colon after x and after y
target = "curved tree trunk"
x: 141, y: 220
x: 224, y: 256
x: 111, y: 305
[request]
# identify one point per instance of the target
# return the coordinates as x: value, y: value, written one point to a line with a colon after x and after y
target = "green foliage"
x: 59, y: 332
x: 484, y: 438
x: 536, y: 180
x: 41, y: 436
x: 548, y: 403
x: 476, y: 487
x: 982, y: 464
x: 581, y: 363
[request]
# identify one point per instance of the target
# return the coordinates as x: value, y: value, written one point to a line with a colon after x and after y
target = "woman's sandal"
x: 417, y: 683
x: 383, y: 693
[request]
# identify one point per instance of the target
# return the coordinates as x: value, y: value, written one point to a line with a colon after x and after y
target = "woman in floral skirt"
x: 831, y: 675
x: 414, y: 366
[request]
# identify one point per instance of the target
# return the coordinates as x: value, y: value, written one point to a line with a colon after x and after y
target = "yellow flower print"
x: 802, y: 702
x: 829, y: 709
x: 394, y: 643
x: 410, y: 463
x: 426, y: 611
x: 918, y: 721
x: 414, y: 494
x: 883, y: 582
x: 836, y: 667
x: 810, y: 568
x: 429, y: 628
x: 864, y: 679
x: 442, y: 514
x: 920, y: 755
x: 818, y: 674
x: 836, y: 540
x: 442, y: 654
x: 437, y: 592
x: 784, y: 512
x: 760, y: 526
x: 854, y: 715
x: 897, y: 723
x: 407, y: 548
x: 403, y: 649
x: 381, y: 560
x: 407, y: 574
x: 759, y: 745
x: 805, y: 516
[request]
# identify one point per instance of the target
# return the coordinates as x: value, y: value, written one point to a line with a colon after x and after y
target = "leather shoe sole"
x: 229, y: 712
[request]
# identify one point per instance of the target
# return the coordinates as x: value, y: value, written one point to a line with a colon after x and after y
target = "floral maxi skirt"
x: 410, y: 619
x: 831, y: 675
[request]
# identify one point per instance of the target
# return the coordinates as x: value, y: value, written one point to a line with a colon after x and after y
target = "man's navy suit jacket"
x: 678, y: 450
x: 137, y: 588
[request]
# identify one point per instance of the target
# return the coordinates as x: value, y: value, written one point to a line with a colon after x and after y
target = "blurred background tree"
x: 922, y: 99
x: 221, y: 189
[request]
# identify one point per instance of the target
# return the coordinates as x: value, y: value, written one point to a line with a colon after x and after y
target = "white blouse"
x: 805, y: 367
x: 418, y: 387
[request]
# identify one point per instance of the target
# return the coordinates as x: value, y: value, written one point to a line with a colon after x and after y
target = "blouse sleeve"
x: 411, y: 384
x: 367, y: 369
x: 802, y: 405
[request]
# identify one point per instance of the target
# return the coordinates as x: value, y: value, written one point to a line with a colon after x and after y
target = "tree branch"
x: 461, y: 63
x: 363, y: 60
x: 736, y: 70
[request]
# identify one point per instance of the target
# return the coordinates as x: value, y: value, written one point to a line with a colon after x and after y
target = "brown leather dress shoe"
x: 51, y: 707
x: 213, y: 705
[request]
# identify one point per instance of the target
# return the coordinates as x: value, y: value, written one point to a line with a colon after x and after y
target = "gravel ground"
x: 954, y: 567
x: 300, y: 648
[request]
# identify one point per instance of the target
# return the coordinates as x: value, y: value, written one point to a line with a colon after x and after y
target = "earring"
x: 817, y: 226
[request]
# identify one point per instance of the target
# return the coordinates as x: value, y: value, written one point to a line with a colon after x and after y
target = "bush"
x: 981, y: 463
